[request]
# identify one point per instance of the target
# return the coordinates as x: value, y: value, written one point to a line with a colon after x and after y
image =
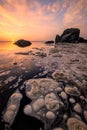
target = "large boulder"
x: 22, y: 43
x: 70, y: 35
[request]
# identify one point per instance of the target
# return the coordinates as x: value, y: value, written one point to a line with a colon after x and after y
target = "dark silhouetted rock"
x: 15, y: 63
x: 70, y: 35
x: 22, y: 43
x: 57, y: 39
x: 82, y: 40
x: 48, y: 42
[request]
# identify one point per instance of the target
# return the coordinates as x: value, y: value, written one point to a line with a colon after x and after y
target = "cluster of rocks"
x: 59, y: 104
x: 70, y: 35
x: 48, y: 42
x: 22, y: 43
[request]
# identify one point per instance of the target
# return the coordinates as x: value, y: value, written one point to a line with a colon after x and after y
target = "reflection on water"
x: 9, y: 49
x: 21, y: 63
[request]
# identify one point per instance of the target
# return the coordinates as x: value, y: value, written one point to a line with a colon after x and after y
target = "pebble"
x: 77, y: 108
x: 72, y: 100
x: 65, y: 116
x: 16, y: 96
x: 28, y: 110
x: 75, y: 124
x: 60, y: 74
x: 51, y: 102
x: 12, y: 107
x: 50, y: 115
x: 72, y: 91
x: 59, y: 89
x: 63, y: 95
x: 8, y: 116
x: 38, y: 104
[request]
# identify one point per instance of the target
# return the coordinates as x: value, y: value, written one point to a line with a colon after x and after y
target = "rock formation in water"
x: 70, y: 35
x: 22, y: 43
x: 48, y: 42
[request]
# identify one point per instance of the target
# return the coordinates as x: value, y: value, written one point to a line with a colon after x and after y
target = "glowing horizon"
x: 41, y: 20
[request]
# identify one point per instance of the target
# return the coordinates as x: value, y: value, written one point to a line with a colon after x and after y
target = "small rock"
x: 75, y: 124
x: 85, y: 115
x: 61, y: 75
x: 65, y: 116
x: 28, y: 109
x: 59, y: 89
x: 63, y: 95
x: 8, y: 116
x: 72, y: 91
x: 22, y: 43
x: 38, y: 104
x: 50, y: 115
x: 72, y: 100
x: 77, y: 108
x: 51, y: 102
x: 12, y: 107
x: 15, y: 63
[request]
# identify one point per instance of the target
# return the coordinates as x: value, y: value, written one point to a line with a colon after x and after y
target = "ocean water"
x: 16, y: 62
x: 8, y: 52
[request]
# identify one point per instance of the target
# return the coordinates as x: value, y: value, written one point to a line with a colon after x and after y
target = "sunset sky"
x: 41, y: 19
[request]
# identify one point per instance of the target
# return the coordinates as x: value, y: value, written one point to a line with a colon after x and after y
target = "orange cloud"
x: 33, y: 20
x: 23, y: 21
x: 75, y: 11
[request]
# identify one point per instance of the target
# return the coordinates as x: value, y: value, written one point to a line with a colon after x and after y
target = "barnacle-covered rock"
x: 61, y: 75
x: 38, y: 87
x: 51, y: 101
x: 72, y: 91
x: 12, y: 107
x: 75, y: 124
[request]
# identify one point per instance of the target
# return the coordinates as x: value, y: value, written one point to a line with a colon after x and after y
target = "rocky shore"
x: 55, y: 97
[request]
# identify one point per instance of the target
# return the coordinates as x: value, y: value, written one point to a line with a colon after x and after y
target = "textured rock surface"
x: 38, y: 87
x: 72, y: 91
x: 70, y: 35
x: 12, y: 107
x: 77, y: 108
x: 75, y: 124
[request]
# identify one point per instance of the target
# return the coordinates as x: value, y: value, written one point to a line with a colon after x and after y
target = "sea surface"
x: 16, y: 61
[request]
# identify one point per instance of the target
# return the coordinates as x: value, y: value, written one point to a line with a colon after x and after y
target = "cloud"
x: 38, y: 19
x: 75, y: 11
x: 19, y: 18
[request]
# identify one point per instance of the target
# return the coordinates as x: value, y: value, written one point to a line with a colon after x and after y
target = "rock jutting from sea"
x: 22, y: 43
x: 70, y: 35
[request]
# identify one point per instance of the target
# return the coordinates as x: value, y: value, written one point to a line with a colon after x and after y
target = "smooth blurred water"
x: 8, y: 50
x: 16, y: 62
